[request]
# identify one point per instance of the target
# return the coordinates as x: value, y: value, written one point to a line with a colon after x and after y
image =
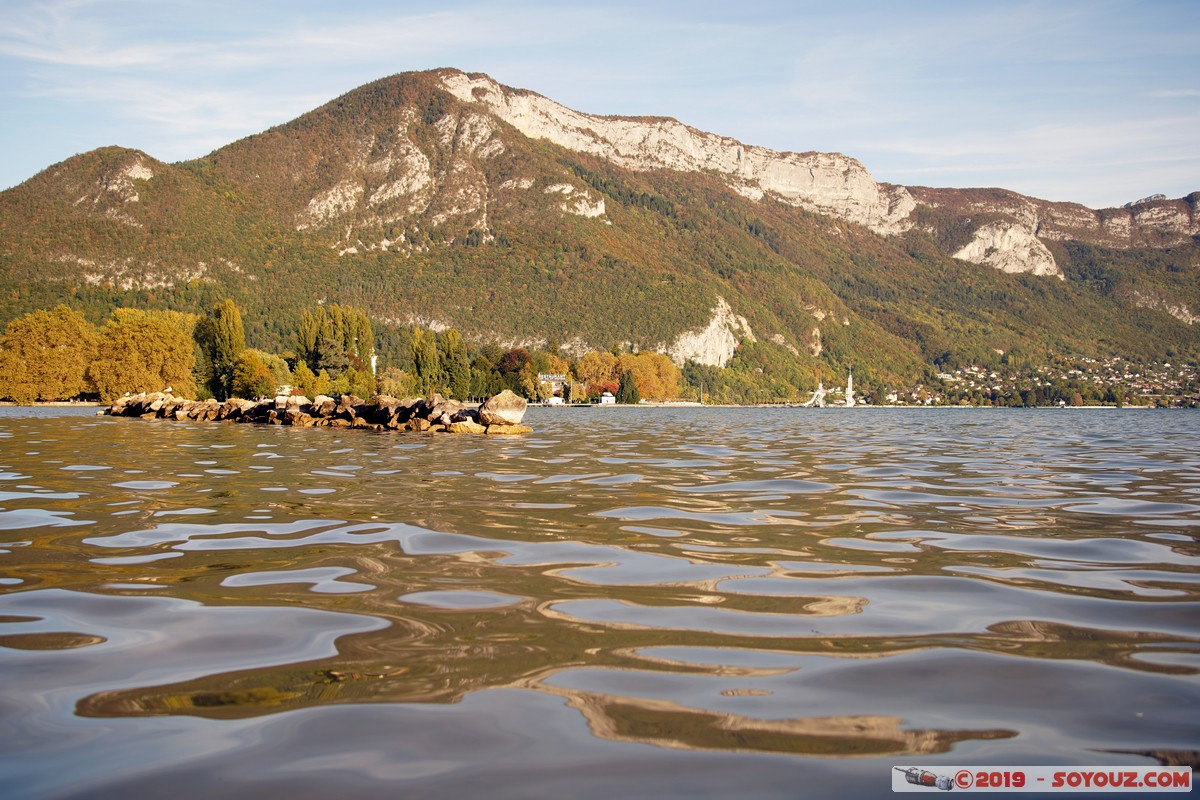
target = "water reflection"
x: 633, y: 587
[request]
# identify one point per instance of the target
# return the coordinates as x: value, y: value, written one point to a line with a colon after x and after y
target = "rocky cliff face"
x: 1009, y: 248
x: 835, y: 185
x: 1009, y: 229
x: 715, y: 344
x: 827, y: 183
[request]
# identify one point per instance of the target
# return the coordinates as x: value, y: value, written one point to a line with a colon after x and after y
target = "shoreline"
x: 695, y: 405
x: 782, y: 406
x: 54, y: 404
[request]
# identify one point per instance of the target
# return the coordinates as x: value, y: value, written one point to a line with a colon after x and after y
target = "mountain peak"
x: 446, y: 199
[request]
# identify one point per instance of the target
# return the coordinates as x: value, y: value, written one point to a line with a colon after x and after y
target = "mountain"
x: 446, y: 199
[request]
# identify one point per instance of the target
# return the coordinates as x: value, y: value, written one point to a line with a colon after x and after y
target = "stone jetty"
x: 501, y: 414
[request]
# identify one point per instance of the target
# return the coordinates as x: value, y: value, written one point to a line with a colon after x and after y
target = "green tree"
x: 453, y: 355
x: 425, y: 360
x: 322, y: 384
x: 398, y: 383
x: 627, y: 392
x: 485, y: 381
x: 359, y: 382
x: 44, y: 356
x: 252, y: 378
x: 531, y: 388
x: 138, y: 352
x: 304, y: 379
x: 307, y: 332
x: 222, y: 338
x: 335, y: 337
x: 330, y: 351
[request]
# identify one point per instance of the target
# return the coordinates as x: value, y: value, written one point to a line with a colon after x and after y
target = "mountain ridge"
x: 885, y: 208
x: 427, y: 208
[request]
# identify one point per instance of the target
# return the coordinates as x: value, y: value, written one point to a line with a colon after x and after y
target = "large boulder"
x: 505, y: 408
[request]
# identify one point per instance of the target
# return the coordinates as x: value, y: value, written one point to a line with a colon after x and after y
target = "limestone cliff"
x: 1009, y: 229
x: 1009, y: 248
x: 1009, y: 237
x: 827, y: 183
x: 715, y: 344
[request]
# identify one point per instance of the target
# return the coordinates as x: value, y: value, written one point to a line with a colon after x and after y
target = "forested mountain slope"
x: 442, y: 199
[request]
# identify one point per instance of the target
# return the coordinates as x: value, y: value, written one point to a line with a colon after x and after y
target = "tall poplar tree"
x: 426, y: 361
x: 455, y: 364
x: 335, y: 337
x: 222, y: 339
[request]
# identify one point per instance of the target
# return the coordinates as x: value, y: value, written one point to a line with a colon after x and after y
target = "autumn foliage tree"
x: 44, y: 356
x: 656, y: 376
x: 597, y: 368
x: 140, y: 352
x: 252, y: 378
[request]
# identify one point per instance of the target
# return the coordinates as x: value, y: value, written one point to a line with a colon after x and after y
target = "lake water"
x: 751, y: 603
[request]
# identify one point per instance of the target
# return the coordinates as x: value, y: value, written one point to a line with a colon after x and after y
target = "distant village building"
x: 555, y: 381
x: 608, y: 399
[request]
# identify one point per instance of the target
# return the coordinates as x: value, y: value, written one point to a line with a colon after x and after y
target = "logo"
x: 923, y: 777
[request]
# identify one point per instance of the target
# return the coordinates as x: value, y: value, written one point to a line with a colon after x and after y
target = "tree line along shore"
x: 58, y: 355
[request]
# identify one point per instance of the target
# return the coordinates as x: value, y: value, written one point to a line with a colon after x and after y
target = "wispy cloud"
x: 992, y: 90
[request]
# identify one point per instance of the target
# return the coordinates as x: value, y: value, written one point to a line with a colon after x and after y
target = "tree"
x: 596, y: 368
x: 44, y: 356
x: 251, y: 377
x: 453, y: 355
x: 222, y: 338
x: 138, y: 352
x: 306, y: 337
x: 425, y: 360
x: 398, y: 383
x: 329, y: 355
x: 656, y: 376
x: 575, y: 392
x: 322, y: 384
x: 304, y: 379
x: 485, y: 382
x: 532, y: 389
x: 335, y: 337
x: 359, y: 382
x: 276, y: 364
x: 627, y: 392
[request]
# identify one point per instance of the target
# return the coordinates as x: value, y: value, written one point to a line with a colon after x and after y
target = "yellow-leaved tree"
x: 139, y: 351
x: 656, y: 375
x: 44, y: 356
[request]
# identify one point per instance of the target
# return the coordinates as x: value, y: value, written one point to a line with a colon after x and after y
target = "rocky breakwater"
x: 501, y: 414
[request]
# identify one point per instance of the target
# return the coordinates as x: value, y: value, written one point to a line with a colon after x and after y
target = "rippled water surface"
x: 625, y: 603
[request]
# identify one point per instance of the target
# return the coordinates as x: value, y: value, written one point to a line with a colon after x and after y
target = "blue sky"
x: 1094, y: 102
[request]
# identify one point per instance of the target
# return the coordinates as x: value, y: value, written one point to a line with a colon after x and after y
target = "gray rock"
x: 505, y: 408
